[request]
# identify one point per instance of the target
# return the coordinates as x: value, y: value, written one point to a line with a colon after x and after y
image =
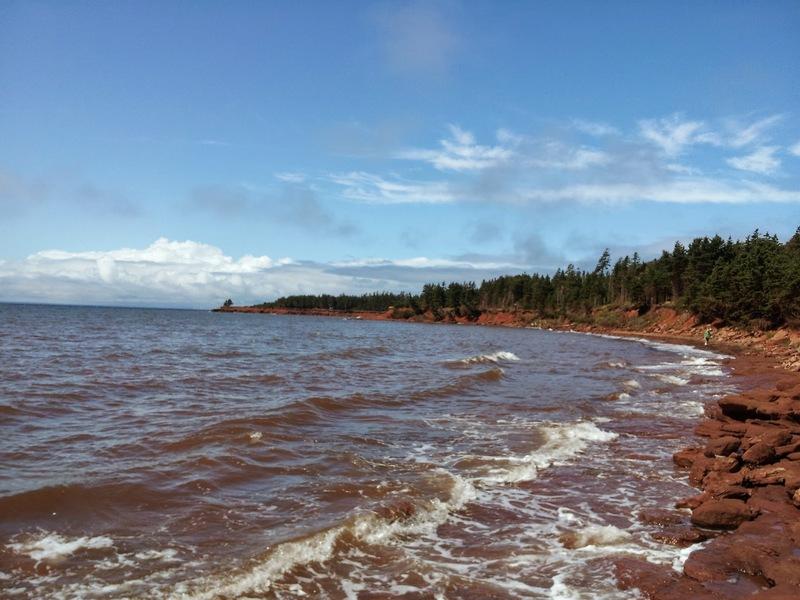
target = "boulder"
x: 750, y: 406
x: 759, y: 454
x: 769, y: 475
x: 721, y: 514
x: 790, y: 448
x: 685, y: 458
x: 723, y: 446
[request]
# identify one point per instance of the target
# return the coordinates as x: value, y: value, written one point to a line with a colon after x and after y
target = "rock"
x: 723, y: 446
x: 679, y: 536
x: 776, y: 437
x: 721, y: 514
x: 793, y: 456
x: 759, y: 453
x: 796, y: 498
x: 789, y: 448
x: 769, y: 475
x: 686, y: 458
x: 659, y: 516
x: 734, y: 428
x: 755, y: 405
x: 692, y: 502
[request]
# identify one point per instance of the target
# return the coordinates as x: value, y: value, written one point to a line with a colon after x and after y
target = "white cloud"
x: 193, y: 274
x: 423, y: 262
x: 673, y: 133
x: 374, y: 189
x: 742, y: 134
x: 762, y: 161
x: 462, y: 153
x: 795, y: 149
x: 554, y: 155
x: 682, y: 191
x: 290, y: 177
x: 595, y: 128
x: 165, y: 273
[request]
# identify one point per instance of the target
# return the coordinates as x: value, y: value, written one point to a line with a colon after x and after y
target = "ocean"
x: 198, y: 455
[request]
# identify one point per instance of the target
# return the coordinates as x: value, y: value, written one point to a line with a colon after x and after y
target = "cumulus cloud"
x: 194, y: 274
x: 460, y: 152
x: 762, y: 161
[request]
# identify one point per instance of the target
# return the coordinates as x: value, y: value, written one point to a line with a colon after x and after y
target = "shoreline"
x: 746, y: 468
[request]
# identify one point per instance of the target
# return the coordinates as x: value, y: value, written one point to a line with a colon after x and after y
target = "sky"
x: 176, y: 154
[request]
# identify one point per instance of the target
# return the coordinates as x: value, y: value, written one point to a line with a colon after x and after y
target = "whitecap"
x: 49, y: 546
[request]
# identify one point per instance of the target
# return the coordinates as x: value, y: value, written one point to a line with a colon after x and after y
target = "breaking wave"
x: 494, y: 357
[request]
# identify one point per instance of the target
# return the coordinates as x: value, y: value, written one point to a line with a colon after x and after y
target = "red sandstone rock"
x: 685, y: 458
x: 790, y: 448
x: 679, y: 536
x: 659, y: 516
x: 721, y: 514
x: 759, y: 454
x: 769, y: 475
x: 753, y: 406
x: 723, y: 446
x: 692, y: 502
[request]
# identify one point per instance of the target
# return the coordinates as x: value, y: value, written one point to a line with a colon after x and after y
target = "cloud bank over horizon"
x: 196, y: 275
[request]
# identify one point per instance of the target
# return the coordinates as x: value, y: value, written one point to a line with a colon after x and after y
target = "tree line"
x: 736, y: 282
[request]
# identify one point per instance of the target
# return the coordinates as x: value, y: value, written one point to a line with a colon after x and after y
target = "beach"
x: 190, y: 454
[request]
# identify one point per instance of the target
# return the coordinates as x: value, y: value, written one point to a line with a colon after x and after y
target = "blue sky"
x: 172, y: 153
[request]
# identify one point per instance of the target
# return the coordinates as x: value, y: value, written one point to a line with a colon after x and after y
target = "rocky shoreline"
x: 747, y: 514
x: 748, y: 511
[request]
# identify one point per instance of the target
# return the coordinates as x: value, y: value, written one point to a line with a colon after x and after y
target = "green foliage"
x: 752, y: 281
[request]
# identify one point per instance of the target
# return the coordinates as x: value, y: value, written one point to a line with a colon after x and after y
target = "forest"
x: 756, y: 280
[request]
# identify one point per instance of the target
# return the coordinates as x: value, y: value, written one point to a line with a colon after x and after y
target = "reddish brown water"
x: 185, y: 454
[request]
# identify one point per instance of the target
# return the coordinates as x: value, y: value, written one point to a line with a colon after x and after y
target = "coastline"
x: 747, y: 468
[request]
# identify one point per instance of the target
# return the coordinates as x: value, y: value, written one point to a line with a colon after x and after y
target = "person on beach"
x: 707, y: 335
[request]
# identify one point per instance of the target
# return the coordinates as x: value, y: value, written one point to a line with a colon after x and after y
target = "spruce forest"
x: 755, y: 281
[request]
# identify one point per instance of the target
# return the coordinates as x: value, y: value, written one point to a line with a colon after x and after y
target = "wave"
x: 461, y: 384
x: 52, y: 547
x: 562, y: 442
x: 594, y: 535
x: 494, y: 357
x: 367, y: 528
